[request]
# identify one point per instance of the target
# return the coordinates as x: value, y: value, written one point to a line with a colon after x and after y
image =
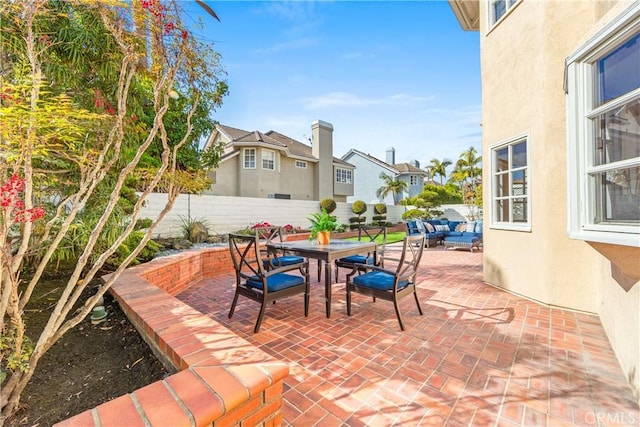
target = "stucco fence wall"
x: 225, y: 214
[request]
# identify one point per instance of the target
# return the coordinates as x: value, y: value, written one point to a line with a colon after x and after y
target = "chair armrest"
x: 373, y: 268
x: 286, y: 268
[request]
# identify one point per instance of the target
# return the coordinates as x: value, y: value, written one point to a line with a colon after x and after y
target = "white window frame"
x: 344, y: 176
x: 301, y: 164
x: 265, y: 158
x: 580, y: 87
x: 414, y: 180
x: 245, y: 153
x: 509, y: 6
x: 511, y: 225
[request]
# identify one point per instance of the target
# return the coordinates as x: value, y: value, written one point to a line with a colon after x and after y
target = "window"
x: 414, y: 180
x: 603, y: 88
x: 249, y: 158
x: 268, y: 159
x: 301, y: 164
x: 510, y: 184
x: 343, y: 176
x: 498, y: 9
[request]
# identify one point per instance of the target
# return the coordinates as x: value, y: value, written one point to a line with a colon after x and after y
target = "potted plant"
x: 322, y: 224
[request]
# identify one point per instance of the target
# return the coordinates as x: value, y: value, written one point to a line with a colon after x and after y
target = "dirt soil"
x: 90, y: 365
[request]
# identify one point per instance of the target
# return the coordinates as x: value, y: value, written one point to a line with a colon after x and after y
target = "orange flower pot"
x: 323, y: 237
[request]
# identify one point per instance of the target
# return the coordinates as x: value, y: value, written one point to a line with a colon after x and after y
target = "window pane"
x: 618, y: 194
x: 519, y: 213
x: 519, y: 183
x: 250, y: 158
x: 502, y: 159
x: 502, y: 184
x: 268, y: 159
x: 502, y: 210
x: 619, y: 72
x: 499, y: 8
x: 618, y: 134
x: 519, y: 155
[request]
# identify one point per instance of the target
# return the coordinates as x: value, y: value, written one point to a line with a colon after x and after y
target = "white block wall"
x: 226, y: 214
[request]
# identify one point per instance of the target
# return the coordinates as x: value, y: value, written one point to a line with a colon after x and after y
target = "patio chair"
x: 390, y: 285
x: 276, y: 234
x: 367, y: 233
x: 255, y: 282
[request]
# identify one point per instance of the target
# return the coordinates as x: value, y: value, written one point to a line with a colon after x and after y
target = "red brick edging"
x: 222, y: 378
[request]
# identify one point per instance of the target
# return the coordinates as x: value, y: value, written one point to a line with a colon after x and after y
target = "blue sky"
x: 384, y: 74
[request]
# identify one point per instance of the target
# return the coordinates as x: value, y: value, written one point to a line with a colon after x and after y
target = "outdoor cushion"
x: 284, y: 260
x: 461, y: 227
x: 462, y: 239
x: 277, y: 282
x: 442, y: 227
x: 378, y: 280
x: 478, y: 228
x: 430, y: 227
x: 357, y: 259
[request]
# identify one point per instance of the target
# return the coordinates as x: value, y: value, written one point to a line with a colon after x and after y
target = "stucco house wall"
x: 368, y: 170
x: 366, y: 180
x: 523, y: 76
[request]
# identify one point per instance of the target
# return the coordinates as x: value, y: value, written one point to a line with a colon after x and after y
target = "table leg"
x: 327, y: 287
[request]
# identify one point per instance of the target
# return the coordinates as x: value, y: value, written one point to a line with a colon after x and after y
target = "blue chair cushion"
x: 454, y: 233
x: 463, y: 239
x: 277, y: 282
x: 378, y: 280
x: 281, y: 261
x: 357, y: 259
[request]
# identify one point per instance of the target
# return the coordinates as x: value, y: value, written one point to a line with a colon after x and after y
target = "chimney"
x: 391, y: 156
x: 322, y: 149
x: 415, y: 163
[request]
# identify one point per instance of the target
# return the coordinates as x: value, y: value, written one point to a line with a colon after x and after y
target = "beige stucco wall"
x: 522, y: 64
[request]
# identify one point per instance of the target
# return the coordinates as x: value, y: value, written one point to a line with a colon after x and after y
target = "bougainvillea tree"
x: 96, y: 99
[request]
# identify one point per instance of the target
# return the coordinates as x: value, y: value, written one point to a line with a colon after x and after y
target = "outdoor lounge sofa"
x: 453, y: 234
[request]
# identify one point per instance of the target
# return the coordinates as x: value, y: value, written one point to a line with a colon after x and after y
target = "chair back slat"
x: 412, y: 249
x: 246, y: 255
x: 372, y: 232
x: 270, y: 234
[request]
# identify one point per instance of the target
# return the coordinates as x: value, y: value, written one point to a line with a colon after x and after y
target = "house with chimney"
x: 273, y: 165
x: 367, y: 176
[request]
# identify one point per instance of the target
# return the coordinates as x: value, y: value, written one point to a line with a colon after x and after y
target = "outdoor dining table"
x: 336, y: 249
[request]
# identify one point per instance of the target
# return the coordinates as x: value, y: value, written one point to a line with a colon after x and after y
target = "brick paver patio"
x: 479, y: 355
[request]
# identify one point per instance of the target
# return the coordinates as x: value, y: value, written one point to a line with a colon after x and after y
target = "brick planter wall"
x: 214, y: 385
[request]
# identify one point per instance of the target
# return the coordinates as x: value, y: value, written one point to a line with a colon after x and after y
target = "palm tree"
x: 440, y: 168
x: 393, y: 186
x: 467, y: 168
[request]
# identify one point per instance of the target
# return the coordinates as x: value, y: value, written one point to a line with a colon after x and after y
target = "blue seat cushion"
x: 378, y: 280
x: 462, y: 239
x: 454, y: 233
x: 284, y: 260
x: 277, y: 282
x: 357, y: 259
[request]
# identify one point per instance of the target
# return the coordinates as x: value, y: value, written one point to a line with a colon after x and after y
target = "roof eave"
x: 467, y: 12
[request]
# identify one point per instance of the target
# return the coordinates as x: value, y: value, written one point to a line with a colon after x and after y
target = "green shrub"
x: 380, y: 208
x: 359, y: 207
x: 193, y: 229
x: 414, y: 214
x: 328, y: 205
x: 146, y: 254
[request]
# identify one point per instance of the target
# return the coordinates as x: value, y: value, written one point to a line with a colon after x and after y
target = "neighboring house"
x: 273, y: 165
x: 561, y: 143
x: 367, y: 176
